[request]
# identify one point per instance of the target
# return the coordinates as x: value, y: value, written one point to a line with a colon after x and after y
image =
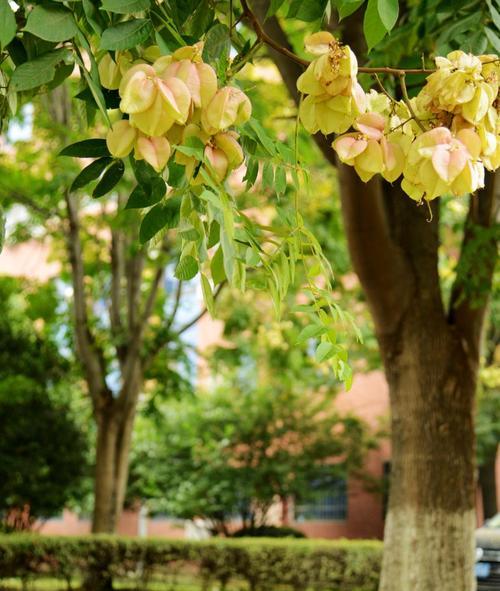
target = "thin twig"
x: 406, y: 99
x: 265, y: 38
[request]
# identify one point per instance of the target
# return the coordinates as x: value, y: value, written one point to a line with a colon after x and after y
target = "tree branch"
x: 199, y: 316
x: 45, y: 212
x: 285, y: 49
x: 91, y: 356
x: 476, y: 265
x: 117, y: 264
x: 177, y: 301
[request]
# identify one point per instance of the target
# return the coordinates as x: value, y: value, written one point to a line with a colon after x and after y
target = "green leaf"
x: 125, y: 6
x: 208, y: 296
x: 201, y: 19
x: 260, y: 132
x: 109, y: 179
x: 274, y: 6
x: 217, y: 44
x: 307, y: 10
x: 310, y: 332
x: 280, y: 180
x: 495, y: 15
x: 127, y: 34
x: 146, y: 195
x: 388, y: 11
x: 347, y: 7
x: 163, y: 215
x: 39, y: 71
x: 373, y: 27
x: 268, y: 175
x: 493, y: 38
x: 187, y: 268
x: 90, y: 173
x: 175, y: 174
x: 324, y: 351
x: 93, y: 148
x: 144, y: 172
x: 51, y: 23
x: 2, y: 228
x: 217, y: 267
x: 8, y: 25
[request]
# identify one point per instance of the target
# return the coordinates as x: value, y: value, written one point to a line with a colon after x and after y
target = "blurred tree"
x: 37, y: 479
x: 128, y: 314
x: 234, y: 452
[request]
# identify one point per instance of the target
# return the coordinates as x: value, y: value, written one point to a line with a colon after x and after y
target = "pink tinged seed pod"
x: 371, y: 125
x: 154, y: 150
x: 218, y: 161
x: 120, y: 139
x: 137, y: 89
x: 349, y: 146
x: 229, y: 106
x: 449, y: 160
x: 394, y: 160
x: 176, y: 98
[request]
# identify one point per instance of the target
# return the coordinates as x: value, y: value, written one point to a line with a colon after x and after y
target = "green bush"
x: 260, y: 563
x: 268, y: 531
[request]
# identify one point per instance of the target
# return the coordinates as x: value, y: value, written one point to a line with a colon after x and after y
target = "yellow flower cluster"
x: 441, y: 141
x: 169, y: 100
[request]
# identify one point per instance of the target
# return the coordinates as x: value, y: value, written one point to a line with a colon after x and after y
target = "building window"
x: 325, y: 501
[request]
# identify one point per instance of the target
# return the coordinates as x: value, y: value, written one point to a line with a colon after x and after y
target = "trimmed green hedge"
x: 262, y: 563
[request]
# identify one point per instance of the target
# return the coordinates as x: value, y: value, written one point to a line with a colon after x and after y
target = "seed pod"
x: 109, y: 72
x: 155, y: 121
x: 218, y: 162
x: 228, y: 142
x: 137, y: 89
x: 176, y: 98
x: 154, y: 150
x: 120, y: 139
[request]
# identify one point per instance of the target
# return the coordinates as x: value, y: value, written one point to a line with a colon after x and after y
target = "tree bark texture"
x: 114, y: 434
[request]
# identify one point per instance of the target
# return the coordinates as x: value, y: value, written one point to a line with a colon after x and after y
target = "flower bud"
x: 120, y: 139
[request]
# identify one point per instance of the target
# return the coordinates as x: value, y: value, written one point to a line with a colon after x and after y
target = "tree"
x: 234, y: 453
x: 124, y: 312
x: 37, y: 480
x: 430, y: 351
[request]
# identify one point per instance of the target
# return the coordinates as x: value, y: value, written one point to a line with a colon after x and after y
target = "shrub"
x: 261, y: 563
x: 268, y: 531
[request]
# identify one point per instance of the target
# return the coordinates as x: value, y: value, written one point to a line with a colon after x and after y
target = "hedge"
x: 261, y: 563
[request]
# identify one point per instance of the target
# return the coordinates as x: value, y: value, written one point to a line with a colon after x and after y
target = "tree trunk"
x: 429, y: 533
x: 488, y: 485
x: 114, y: 433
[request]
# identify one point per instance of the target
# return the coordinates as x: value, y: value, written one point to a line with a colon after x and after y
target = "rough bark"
x: 488, y: 486
x: 114, y: 433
